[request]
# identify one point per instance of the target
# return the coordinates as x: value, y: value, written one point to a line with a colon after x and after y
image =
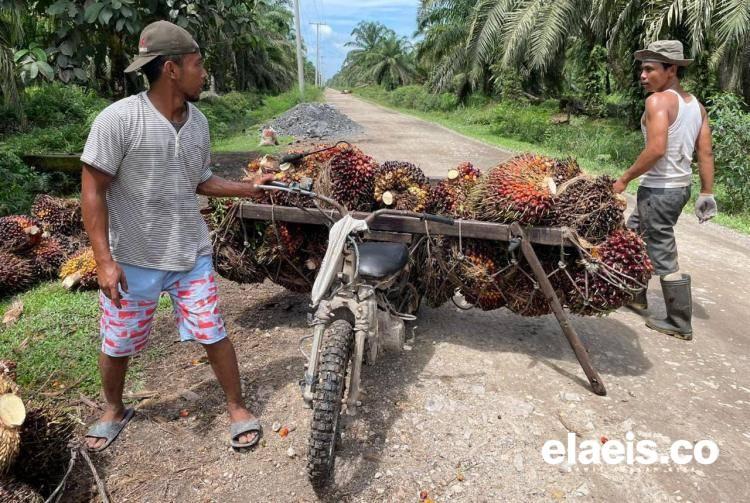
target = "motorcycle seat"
x: 380, y: 259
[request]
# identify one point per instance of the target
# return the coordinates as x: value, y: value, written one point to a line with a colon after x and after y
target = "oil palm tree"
x: 445, y: 25
x: 393, y: 62
x: 11, y: 32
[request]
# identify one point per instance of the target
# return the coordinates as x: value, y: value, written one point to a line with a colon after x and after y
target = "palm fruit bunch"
x: 564, y: 170
x: 79, y: 271
x: 349, y: 179
x: 590, y: 207
x: 58, y: 215
x: 15, y: 491
x: 303, y: 172
x: 521, y: 288
x: 234, y: 242
x: 400, y: 185
x: 257, y: 166
x: 292, y: 253
x: 45, y: 453
x: 19, y: 233
x: 478, y: 264
x: 450, y: 196
x: 519, y: 190
x: 609, y: 277
x: 47, y: 257
x: 435, y: 274
x: 12, y: 491
x: 73, y: 244
x: 16, y: 273
x: 12, y: 416
x: 314, y: 163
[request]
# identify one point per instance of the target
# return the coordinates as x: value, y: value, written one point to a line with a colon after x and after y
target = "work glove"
x: 705, y: 207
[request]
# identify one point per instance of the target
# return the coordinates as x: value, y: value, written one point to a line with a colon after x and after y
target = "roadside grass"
x: 599, y: 145
x: 248, y: 142
x: 246, y: 134
x: 56, y: 341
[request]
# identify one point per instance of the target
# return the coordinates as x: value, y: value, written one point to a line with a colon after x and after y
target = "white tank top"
x: 673, y: 169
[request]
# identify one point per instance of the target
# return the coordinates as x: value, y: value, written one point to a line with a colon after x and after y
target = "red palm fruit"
x: 608, y: 278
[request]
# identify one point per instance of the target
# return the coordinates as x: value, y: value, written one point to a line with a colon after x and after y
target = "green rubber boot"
x: 679, y: 303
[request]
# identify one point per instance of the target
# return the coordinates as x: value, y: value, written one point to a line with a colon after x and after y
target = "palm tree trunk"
x: 8, y: 86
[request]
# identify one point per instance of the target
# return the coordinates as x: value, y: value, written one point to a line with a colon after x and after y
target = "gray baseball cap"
x: 162, y: 38
x: 664, y: 51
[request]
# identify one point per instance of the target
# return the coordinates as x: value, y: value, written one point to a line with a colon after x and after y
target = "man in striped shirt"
x: 145, y: 159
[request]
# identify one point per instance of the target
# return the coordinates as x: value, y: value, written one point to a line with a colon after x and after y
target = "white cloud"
x: 325, y: 31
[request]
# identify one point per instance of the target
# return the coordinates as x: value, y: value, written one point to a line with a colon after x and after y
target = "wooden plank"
x: 395, y: 223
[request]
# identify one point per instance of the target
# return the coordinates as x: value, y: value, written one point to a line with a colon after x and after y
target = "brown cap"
x: 664, y: 51
x: 162, y: 38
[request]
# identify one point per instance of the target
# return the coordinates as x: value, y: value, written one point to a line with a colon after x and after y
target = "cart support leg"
x: 549, y: 293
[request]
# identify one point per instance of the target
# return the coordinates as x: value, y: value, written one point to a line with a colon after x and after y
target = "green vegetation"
x: 56, y: 340
x: 247, y: 45
x: 249, y: 141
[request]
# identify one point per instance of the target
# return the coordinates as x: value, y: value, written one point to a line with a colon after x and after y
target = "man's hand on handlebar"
x: 261, y: 179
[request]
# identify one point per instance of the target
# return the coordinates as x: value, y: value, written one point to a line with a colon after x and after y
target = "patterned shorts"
x: 194, y: 296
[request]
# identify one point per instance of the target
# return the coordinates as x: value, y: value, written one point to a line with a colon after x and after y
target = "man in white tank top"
x: 675, y: 126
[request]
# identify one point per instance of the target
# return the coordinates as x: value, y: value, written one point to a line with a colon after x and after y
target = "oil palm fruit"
x: 16, y: 273
x: 79, y: 271
x: 478, y: 263
x: 451, y: 195
x: 46, y: 258
x: 12, y: 416
x: 607, y: 279
x: 519, y: 190
x: 19, y: 233
x: 590, y: 207
x: 400, y: 185
x: 58, y: 215
x: 351, y: 175
x: 13, y: 491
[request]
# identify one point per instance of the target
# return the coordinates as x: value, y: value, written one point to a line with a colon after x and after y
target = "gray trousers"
x: 654, y: 217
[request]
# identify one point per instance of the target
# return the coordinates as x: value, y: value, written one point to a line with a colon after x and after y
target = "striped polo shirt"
x: 154, y: 220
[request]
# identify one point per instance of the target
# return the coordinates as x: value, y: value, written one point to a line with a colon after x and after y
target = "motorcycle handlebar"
x: 437, y: 218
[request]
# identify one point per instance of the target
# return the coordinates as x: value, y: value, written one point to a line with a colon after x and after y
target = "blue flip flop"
x: 236, y: 430
x: 109, y: 430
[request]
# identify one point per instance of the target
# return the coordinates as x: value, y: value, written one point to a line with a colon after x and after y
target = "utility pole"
x: 318, y: 73
x: 300, y: 64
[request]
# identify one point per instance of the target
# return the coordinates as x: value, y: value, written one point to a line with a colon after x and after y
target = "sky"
x: 342, y: 16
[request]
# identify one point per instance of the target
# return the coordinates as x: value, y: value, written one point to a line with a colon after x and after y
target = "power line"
x: 318, y: 74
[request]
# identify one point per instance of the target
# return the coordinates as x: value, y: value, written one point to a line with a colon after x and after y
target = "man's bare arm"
x: 705, y: 155
x: 94, y: 185
x: 217, y: 186
x: 657, y: 126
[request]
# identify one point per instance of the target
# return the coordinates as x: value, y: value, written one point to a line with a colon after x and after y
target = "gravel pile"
x: 316, y: 120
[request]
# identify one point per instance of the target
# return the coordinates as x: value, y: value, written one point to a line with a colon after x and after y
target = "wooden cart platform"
x: 396, y: 225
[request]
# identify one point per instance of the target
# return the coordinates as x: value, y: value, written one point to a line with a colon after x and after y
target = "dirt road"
x: 392, y: 136
x: 464, y: 413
